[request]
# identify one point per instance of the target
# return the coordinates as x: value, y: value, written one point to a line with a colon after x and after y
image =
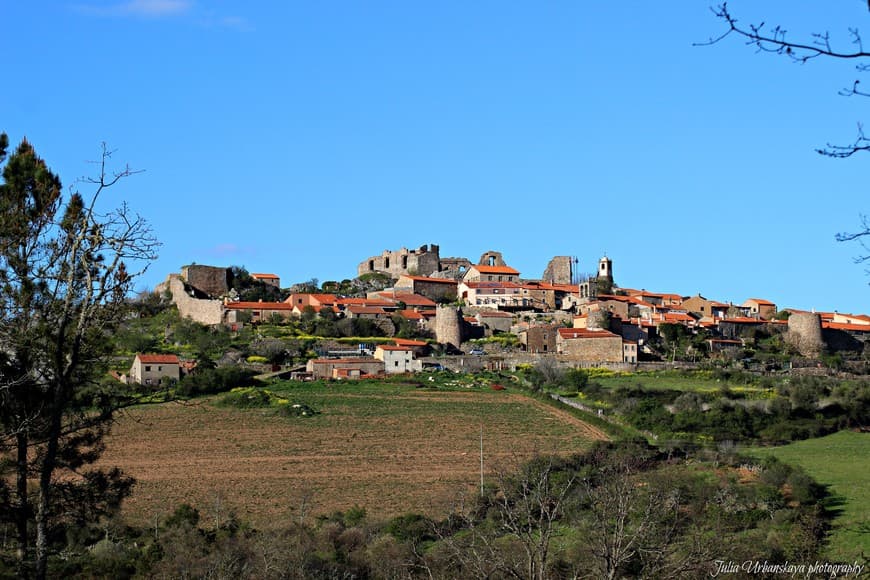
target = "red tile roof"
x: 408, y: 299
x: 743, y: 320
x: 845, y: 326
x: 265, y: 276
x: 569, y: 333
x: 493, y: 285
x: 495, y: 269
x: 410, y: 314
x: 259, y: 306
x: 409, y: 342
x: 435, y: 280
x: 394, y: 348
x: 354, y: 309
x: 158, y: 359
x: 761, y: 302
x: 494, y: 314
x: 371, y: 302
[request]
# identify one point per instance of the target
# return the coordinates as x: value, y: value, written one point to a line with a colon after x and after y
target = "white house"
x: 398, y: 359
x: 148, y: 369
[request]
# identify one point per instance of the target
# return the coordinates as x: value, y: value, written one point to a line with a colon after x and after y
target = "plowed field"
x: 389, y: 452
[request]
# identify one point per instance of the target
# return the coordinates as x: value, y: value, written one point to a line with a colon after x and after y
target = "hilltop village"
x: 487, y: 315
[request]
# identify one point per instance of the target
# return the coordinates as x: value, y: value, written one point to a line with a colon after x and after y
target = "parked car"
x: 477, y: 352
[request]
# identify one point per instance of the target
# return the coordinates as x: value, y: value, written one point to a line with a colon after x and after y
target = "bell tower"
x: 605, y: 268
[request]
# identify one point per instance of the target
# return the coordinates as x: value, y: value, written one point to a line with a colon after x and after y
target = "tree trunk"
x: 43, y: 506
x: 23, y: 508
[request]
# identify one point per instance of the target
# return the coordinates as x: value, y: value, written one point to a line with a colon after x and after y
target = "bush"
x: 218, y: 380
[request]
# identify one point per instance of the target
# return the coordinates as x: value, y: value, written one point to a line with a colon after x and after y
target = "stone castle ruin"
x: 560, y: 270
x: 424, y: 261
x: 198, y: 292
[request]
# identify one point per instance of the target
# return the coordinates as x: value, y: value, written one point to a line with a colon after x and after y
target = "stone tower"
x: 805, y: 333
x: 448, y: 325
x: 605, y: 268
x: 560, y: 270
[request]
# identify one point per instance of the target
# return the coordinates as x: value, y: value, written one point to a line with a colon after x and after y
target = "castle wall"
x: 208, y: 312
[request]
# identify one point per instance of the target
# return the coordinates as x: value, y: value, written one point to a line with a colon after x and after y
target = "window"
x: 147, y: 369
x: 159, y: 368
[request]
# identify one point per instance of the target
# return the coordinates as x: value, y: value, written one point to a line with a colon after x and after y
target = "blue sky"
x: 301, y: 137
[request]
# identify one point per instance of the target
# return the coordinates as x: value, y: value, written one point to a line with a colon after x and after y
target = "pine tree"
x: 63, y: 287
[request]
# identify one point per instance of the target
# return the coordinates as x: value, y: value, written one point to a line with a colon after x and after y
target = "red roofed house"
x: 412, y: 301
x: 493, y: 295
x: 316, y: 301
x: 483, y: 273
x: 583, y: 345
x: 148, y: 369
x: 373, y: 312
x: 432, y: 288
x: 759, y: 308
x: 856, y: 319
x: 259, y: 311
x: 270, y: 279
x: 398, y: 359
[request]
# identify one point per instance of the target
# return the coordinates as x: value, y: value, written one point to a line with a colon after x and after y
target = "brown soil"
x: 270, y: 470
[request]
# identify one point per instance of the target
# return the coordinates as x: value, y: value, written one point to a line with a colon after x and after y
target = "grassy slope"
x: 841, y: 461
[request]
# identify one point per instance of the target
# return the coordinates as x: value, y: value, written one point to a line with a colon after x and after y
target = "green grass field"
x: 842, y: 462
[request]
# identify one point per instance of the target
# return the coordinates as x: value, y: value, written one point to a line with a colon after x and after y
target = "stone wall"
x: 592, y: 350
x: 208, y: 312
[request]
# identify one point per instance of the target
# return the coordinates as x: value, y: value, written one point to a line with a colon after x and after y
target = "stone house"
x: 494, y: 321
x: 259, y: 311
x: 371, y: 312
x: 437, y: 289
x: 759, y: 308
x: 629, y: 351
x: 589, y: 346
x: 705, y: 308
x: 149, y: 369
x: 494, y: 295
x: 335, y: 368
x: 484, y: 273
x: 655, y: 298
x: 539, y: 339
x: 270, y: 279
x: 398, y: 359
x: 314, y: 300
x: 411, y: 301
x: 547, y: 296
